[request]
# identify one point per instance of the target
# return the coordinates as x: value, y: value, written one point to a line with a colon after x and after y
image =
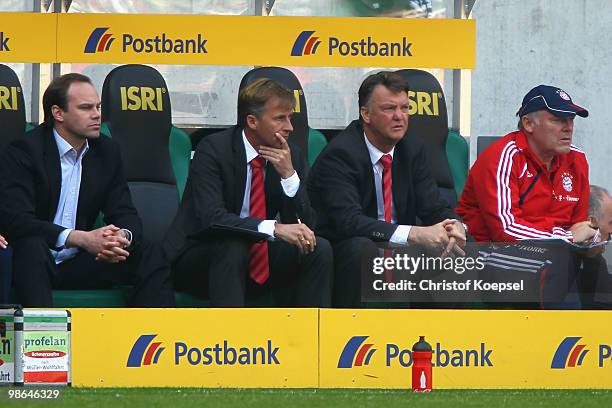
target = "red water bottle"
x: 421, y: 366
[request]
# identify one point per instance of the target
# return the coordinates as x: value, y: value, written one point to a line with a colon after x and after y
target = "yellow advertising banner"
x: 195, y: 348
x: 246, y: 40
x: 471, y: 349
x: 28, y: 37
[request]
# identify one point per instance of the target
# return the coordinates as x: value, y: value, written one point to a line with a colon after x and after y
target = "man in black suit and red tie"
x: 246, y: 180
x: 372, y: 182
x: 54, y: 182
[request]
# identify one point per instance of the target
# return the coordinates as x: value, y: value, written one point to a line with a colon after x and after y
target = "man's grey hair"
x: 533, y: 116
x: 596, y: 198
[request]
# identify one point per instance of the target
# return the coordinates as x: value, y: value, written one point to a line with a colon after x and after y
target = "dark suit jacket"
x: 30, y: 183
x: 341, y: 187
x: 215, y: 192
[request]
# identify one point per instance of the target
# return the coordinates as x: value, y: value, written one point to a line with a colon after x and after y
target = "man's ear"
x: 58, y: 113
x: 365, y: 114
x: 251, y: 122
x: 527, y: 123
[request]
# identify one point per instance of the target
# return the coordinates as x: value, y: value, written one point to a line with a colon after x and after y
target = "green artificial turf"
x: 270, y: 398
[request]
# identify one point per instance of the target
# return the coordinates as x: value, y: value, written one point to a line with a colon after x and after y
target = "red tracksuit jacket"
x: 509, y: 195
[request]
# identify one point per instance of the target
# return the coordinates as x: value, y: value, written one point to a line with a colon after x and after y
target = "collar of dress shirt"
x: 375, y: 154
x: 250, y: 151
x: 64, y: 147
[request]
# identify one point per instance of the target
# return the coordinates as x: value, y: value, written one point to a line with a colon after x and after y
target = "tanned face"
x: 385, y: 117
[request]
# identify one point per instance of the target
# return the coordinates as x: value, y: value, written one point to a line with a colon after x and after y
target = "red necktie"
x: 386, y: 160
x: 259, y: 269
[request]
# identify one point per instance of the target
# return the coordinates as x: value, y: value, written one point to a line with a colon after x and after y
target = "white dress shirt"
x: 400, y: 236
x: 290, y: 187
x: 71, y: 164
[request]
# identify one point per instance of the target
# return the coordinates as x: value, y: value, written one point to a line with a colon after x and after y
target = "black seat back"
x: 299, y: 120
x: 429, y: 121
x: 12, y: 107
x: 136, y: 109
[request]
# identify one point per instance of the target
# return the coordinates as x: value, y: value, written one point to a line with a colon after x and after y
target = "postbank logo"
x: 357, y: 353
x: 8, y: 97
x: 308, y: 42
x: 146, y: 352
x: 569, y: 348
x: 356, y: 347
x: 100, y: 41
x: 144, y: 346
x: 570, y: 354
x: 142, y: 98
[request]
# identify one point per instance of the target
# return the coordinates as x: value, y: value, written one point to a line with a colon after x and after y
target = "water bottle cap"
x: 421, y: 345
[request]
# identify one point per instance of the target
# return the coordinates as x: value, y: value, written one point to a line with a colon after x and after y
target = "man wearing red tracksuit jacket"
x: 533, y: 183
x: 511, y: 195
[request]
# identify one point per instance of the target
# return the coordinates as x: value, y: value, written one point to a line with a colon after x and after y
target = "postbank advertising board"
x: 471, y: 349
x: 195, y: 348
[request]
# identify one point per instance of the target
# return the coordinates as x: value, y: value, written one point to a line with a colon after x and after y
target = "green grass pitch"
x: 294, y: 398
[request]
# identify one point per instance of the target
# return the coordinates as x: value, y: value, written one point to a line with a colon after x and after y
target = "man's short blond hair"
x: 253, y: 97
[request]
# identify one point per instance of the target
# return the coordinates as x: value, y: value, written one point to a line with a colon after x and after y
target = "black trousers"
x: 353, y: 260
x: 218, y: 269
x: 5, y: 274
x: 35, y: 274
x: 349, y: 256
x: 595, y: 283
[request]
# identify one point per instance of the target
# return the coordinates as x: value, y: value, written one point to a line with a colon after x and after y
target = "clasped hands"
x: 447, y: 236
x: 107, y: 243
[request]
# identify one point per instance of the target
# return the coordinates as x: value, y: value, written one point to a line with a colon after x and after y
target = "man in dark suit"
x: 54, y: 182
x: 211, y: 243
x: 371, y: 183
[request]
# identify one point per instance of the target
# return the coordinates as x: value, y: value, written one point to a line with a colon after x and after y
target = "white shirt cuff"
x: 400, y: 236
x: 267, y: 227
x: 62, y: 237
x: 291, y: 184
x: 128, y: 236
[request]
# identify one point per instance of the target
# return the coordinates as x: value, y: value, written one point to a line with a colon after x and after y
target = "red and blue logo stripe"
x: 356, y: 353
x: 569, y: 354
x: 305, y: 44
x: 142, y: 345
x: 99, y: 40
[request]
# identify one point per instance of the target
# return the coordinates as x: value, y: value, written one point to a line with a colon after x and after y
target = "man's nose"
x: 400, y: 113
